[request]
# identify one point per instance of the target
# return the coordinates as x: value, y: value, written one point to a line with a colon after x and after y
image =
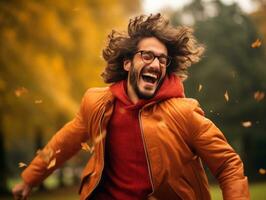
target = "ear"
x: 126, y: 65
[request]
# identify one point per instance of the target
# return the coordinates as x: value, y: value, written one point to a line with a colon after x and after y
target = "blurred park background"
x: 50, y: 53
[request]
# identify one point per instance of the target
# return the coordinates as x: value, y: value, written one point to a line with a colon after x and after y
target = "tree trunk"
x: 39, y: 145
x: 3, y: 164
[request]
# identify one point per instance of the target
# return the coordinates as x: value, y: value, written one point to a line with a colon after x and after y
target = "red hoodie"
x: 125, y: 175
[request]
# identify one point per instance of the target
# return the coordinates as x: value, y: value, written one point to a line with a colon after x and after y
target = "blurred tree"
x: 230, y: 64
x: 197, y: 9
x: 49, y: 55
x: 259, y: 17
x: 3, y: 165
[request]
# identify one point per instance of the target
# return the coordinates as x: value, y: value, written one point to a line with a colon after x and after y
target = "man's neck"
x: 131, y: 94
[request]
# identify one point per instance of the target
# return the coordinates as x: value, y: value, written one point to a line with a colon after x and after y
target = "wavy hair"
x: 179, y: 41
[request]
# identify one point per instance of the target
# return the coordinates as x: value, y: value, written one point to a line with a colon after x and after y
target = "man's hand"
x: 21, y: 191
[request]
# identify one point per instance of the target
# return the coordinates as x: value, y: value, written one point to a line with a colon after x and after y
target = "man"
x: 147, y: 138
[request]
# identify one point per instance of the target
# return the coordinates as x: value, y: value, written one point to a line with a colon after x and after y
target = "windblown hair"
x: 179, y: 41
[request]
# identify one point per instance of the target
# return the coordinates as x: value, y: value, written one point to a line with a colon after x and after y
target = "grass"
x: 257, y: 191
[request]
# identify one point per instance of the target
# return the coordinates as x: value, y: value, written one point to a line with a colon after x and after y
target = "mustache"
x: 151, y: 70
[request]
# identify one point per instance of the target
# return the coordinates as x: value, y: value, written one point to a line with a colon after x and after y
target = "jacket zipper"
x: 146, y: 154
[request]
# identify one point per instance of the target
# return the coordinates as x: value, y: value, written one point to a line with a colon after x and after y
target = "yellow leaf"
x: 247, y: 124
x: 46, y: 154
x: 262, y: 171
x: 38, y: 101
x: 258, y: 95
x: 226, y: 96
x: 20, y: 91
x: 52, y: 163
x: 85, y: 146
x: 256, y: 44
x: 58, y: 151
x: 200, y: 87
x: 21, y: 164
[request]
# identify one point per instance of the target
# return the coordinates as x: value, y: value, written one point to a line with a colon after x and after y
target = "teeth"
x: 150, y: 75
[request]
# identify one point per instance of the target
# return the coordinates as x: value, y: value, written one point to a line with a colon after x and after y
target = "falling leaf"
x: 46, y: 154
x: 262, y: 171
x: 52, y: 163
x: 21, y: 91
x: 38, y: 151
x: 226, y: 96
x: 247, y: 124
x: 21, y: 164
x: 85, y: 146
x: 256, y: 44
x: 100, y: 137
x: 258, y: 95
x: 199, y: 87
x: 58, y: 151
x: 38, y: 101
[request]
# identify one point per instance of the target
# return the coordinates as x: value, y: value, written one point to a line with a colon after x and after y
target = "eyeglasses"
x: 148, y: 57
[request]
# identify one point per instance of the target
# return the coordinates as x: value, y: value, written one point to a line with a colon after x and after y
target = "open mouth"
x: 150, y: 78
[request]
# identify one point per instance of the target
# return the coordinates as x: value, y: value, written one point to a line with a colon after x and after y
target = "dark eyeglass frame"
x: 168, y: 58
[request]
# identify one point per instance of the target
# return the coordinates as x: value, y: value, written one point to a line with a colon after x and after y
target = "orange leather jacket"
x: 175, y: 136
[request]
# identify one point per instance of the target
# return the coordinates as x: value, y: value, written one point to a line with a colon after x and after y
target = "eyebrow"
x: 162, y: 54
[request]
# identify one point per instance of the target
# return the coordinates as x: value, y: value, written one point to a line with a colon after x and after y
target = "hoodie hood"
x: 172, y: 86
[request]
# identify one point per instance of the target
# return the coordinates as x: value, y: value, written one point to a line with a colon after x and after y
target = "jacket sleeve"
x: 63, y: 145
x: 224, y: 163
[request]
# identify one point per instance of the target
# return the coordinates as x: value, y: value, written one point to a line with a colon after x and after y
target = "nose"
x: 155, y: 63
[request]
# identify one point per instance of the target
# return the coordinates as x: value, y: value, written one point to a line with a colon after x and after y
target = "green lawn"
x: 257, y: 193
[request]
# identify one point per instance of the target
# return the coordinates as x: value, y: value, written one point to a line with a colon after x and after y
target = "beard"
x: 134, y: 75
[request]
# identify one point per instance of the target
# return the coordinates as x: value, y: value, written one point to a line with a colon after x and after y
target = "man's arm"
x: 225, y: 164
x: 63, y: 145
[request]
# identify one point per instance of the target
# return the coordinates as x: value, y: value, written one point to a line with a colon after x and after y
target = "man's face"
x: 144, y: 79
